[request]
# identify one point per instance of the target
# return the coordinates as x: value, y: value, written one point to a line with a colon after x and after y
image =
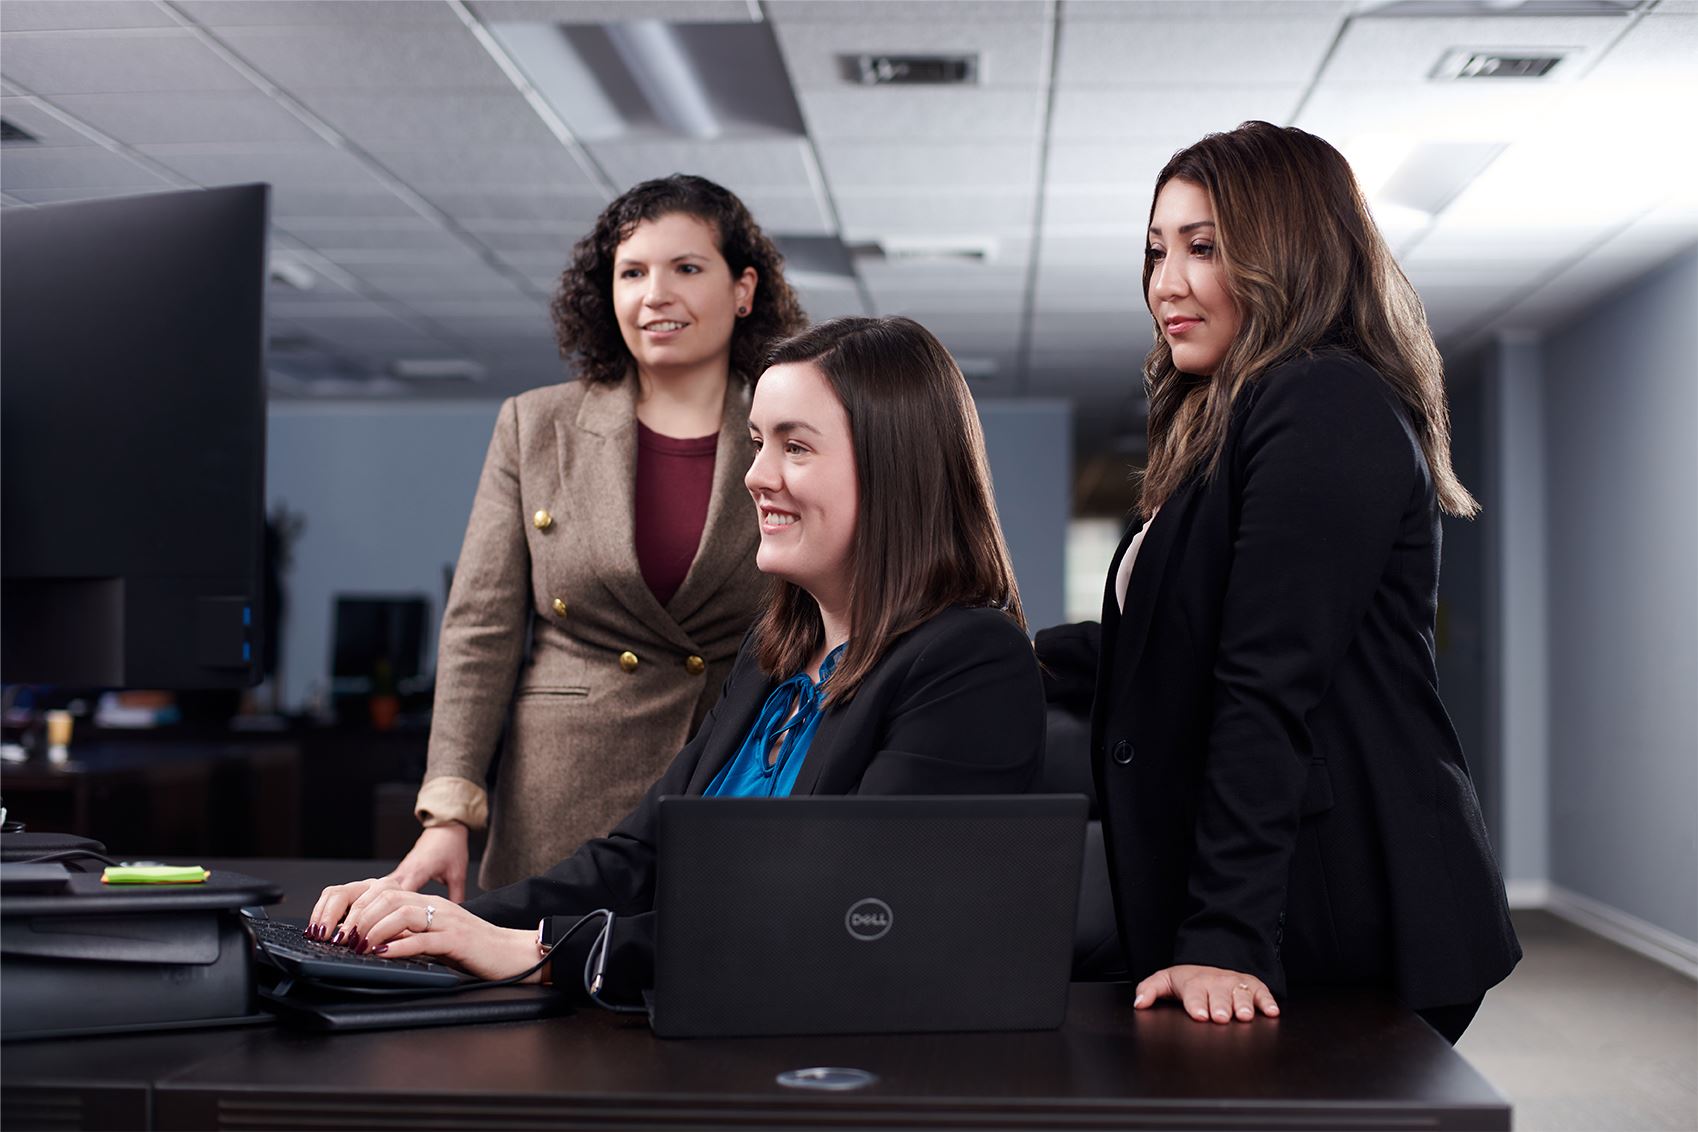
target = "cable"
x: 595, y: 965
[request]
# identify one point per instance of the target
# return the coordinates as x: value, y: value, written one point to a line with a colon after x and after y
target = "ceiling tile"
x: 558, y: 238
x: 1121, y: 245
x: 951, y: 12
x: 148, y: 119
x: 1165, y: 116
x: 1341, y: 111
x: 1659, y: 48
x: 458, y: 307
x: 1072, y: 289
x: 868, y: 216
x: 50, y: 15
x: 116, y: 62
x: 894, y: 166
x: 1193, y: 50
x: 504, y: 168
x: 328, y: 237
x: 610, y: 11
x: 779, y: 211
x: 364, y: 57
x: 1074, y: 11
x: 60, y: 196
x: 313, y: 166
x: 1110, y: 166
x: 430, y: 117
x: 74, y: 167
x: 1124, y: 336
x: 347, y: 202
x: 518, y: 205
x: 893, y: 299
x: 1406, y: 50
x: 275, y: 13
x: 1067, y: 211
x: 47, y: 129
x: 739, y: 165
x: 413, y: 283
x: 1011, y: 52
x: 898, y: 114
x: 969, y: 334
x: 823, y: 303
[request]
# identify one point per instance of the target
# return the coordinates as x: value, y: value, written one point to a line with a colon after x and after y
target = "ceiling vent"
x: 1499, y: 63
x: 11, y: 133
x: 911, y: 70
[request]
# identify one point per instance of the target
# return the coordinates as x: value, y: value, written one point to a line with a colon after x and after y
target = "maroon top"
x: 674, y: 483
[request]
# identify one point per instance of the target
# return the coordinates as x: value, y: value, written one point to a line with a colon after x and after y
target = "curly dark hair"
x: 584, y: 322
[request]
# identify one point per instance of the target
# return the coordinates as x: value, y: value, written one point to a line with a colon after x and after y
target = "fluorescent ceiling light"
x: 1375, y: 158
x: 648, y: 78
x: 284, y: 268
x: 666, y: 76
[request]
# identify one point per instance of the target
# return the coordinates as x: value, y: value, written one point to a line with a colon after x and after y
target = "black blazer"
x: 955, y: 706
x: 1282, y: 790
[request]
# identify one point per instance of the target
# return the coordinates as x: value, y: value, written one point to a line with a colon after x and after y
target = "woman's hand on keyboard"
x: 398, y: 924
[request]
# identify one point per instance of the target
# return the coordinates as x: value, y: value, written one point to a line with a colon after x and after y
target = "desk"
x: 1331, y: 1062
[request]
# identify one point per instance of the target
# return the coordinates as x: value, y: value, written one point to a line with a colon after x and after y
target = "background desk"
x: 1331, y: 1062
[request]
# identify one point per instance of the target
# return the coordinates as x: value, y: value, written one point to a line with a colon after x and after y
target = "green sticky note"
x: 153, y: 874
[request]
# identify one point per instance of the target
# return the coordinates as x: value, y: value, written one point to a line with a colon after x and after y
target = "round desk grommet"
x: 827, y: 1078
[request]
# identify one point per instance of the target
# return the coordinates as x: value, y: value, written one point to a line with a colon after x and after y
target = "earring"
x: 741, y: 311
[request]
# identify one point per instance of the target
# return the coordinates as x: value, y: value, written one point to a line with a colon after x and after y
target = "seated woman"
x: 890, y: 657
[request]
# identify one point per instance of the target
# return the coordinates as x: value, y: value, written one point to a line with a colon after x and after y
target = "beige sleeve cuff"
x: 445, y: 799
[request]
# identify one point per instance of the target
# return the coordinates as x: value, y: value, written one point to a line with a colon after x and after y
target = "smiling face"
x: 1188, y: 287
x: 803, y: 482
x: 674, y: 294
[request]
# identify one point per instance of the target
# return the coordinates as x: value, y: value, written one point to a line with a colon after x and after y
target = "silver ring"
x: 430, y: 914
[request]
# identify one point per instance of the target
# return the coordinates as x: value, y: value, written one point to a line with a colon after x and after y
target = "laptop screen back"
x: 820, y: 915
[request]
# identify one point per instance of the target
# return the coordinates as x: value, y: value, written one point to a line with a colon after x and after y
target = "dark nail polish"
x: 359, y: 947
x: 381, y: 949
x: 337, y: 938
x: 354, y: 940
x: 307, y: 931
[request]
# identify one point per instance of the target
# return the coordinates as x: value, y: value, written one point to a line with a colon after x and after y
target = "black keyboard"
x: 283, y: 943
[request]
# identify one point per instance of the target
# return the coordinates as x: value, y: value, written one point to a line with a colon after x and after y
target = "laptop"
x: 836, y: 915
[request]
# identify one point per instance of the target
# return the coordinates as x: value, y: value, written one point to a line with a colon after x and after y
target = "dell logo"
x: 868, y: 919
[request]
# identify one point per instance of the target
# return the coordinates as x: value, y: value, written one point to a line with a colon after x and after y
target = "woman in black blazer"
x: 893, y: 627
x: 1285, y: 800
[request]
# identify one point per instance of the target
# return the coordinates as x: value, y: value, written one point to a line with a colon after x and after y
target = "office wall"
x: 1516, y: 526
x: 1620, y: 409
x: 385, y: 491
x: 1031, y: 456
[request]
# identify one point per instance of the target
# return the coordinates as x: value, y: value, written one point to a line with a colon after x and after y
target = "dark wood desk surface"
x: 1331, y: 1062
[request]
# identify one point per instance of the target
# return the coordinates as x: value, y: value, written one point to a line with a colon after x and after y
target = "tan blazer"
x: 613, y: 684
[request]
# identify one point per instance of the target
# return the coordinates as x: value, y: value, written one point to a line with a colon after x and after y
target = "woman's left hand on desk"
x: 408, y: 925
x: 1208, y: 993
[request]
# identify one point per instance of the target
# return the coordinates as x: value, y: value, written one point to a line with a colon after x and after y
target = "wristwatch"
x: 544, y: 946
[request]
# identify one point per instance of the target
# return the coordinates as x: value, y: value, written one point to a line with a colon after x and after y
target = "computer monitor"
x: 132, y: 440
x: 376, y: 637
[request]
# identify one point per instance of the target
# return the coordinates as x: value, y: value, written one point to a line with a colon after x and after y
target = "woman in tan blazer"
x: 587, y: 616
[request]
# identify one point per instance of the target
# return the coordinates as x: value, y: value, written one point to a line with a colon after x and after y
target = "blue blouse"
x: 748, y: 775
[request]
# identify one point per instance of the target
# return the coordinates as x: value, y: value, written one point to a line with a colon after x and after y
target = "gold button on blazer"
x: 586, y: 738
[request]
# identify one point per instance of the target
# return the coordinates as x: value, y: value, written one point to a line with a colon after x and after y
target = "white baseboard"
x: 1528, y: 893
x: 1613, y: 924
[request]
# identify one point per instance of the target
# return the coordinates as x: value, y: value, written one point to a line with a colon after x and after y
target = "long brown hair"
x: 926, y: 531
x: 1309, y: 272
x: 585, y: 326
